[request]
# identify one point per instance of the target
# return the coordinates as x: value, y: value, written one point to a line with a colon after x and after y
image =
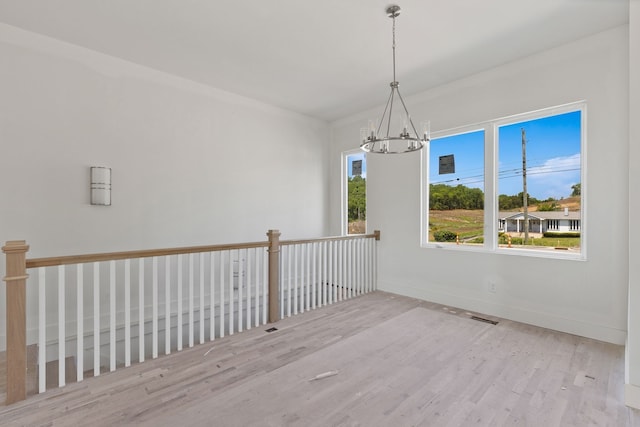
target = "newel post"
x: 16, y: 284
x: 274, y: 275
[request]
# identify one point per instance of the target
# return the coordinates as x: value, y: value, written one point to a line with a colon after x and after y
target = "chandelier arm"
x: 386, y: 107
x: 408, y: 115
x: 390, y: 111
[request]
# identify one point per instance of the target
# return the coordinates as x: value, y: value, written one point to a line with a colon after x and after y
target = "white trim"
x: 632, y: 396
x: 509, y: 311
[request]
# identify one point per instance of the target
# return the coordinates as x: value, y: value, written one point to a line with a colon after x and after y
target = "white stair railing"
x: 107, y: 311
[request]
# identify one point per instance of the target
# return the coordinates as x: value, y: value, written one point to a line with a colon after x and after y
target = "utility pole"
x: 524, y: 187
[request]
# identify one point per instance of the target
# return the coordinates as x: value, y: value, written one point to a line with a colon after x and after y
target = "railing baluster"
x: 127, y: 312
x: 323, y: 274
x: 348, y: 269
x: 96, y: 319
x: 201, y: 303
x: 284, y: 256
x: 265, y: 284
x: 374, y: 261
x: 249, y: 283
x: 141, y: 310
x: 304, y: 273
x: 332, y: 272
x: 240, y: 296
x: 314, y: 272
x: 61, y: 326
x: 191, y: 307
x: 355, y: 259
x: 112, y: 316
x: 154, y: 308
x: 370, y: 270
x: 300, y: 277
x: 42, y: 331
x: 367, y: 265
x: 231, y: 292
x: 212, y: 296
x: 79, y: 322
x: 179, y: 298
x: 307, y: 294
x: 257, y: 255
x: 296, y: 277
x: 361, y: 264
x: 344, y: 269
x: 351, y: 268
x: 167, y: 305
x: 221, y: 260
x: 289, y: 258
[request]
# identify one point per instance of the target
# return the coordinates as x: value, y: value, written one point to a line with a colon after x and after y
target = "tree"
x: 446, y: 197
x: 576, y: 189
x: 357, y: 197
x: 506, y: 203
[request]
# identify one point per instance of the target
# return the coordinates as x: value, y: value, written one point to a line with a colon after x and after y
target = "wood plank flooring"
x: 399, y: 362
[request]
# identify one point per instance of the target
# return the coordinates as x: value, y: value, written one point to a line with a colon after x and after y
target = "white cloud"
x: 554, y: 177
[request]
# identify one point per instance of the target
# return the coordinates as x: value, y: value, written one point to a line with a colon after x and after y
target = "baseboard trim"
x: 632, y: 396
x: 541, y: 319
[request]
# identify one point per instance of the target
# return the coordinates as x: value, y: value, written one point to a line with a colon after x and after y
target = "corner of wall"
x: 632, y: 396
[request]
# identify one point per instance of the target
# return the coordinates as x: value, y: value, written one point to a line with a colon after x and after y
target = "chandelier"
x: 408, y: 139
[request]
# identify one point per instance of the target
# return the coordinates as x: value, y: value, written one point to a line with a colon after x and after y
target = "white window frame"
x: 491, y: 164
x: 424, y: 177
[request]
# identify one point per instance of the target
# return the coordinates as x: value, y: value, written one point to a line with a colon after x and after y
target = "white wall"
x: 191, y: 165
x: 632, y: 392
x: 589, y: 297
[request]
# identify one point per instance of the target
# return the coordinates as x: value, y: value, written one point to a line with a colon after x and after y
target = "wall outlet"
x: 493, y: 287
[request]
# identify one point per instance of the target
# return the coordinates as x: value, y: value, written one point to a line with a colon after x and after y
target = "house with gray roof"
x: 540, y: 222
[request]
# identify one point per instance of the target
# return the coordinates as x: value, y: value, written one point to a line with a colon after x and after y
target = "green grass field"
x: 468, y: 224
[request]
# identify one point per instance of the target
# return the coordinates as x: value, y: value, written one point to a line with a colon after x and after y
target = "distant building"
x: 540, y: 222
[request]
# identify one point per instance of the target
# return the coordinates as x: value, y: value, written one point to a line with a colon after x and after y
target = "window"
x: 456, y: 188
x: 354, y: 202
x: 512, y: 184
x: 539, y: 180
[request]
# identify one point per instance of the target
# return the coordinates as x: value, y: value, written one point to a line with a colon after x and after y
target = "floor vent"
x: 271, y: 330
x: 482, y: 319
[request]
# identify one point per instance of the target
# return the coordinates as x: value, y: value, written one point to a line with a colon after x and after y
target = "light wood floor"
x: 399, y: 362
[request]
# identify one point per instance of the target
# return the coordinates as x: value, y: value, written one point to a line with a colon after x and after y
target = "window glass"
x: 456, y: 189
x: 356, y: 193
x: 543, y: 156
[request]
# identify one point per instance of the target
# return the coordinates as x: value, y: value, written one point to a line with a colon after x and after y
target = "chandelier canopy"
x: 407, y: 139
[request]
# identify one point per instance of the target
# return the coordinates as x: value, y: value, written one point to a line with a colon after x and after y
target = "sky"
x: 552, y: 152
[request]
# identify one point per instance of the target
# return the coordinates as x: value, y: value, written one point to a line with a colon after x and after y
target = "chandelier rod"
x: 393, y: 46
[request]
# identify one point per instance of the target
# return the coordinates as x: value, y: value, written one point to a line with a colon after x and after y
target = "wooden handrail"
x: 331, y: 239
x: 147, y: 253
x: 112, y: 256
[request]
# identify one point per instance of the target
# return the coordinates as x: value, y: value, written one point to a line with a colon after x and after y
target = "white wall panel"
x: 589, y: 297
x: 191, y: 164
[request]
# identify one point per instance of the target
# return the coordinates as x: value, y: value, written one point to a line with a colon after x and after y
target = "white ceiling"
x: 324, y: 58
